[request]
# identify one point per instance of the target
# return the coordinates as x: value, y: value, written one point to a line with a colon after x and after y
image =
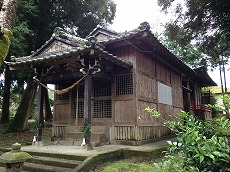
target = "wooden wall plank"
x: 62, y: 111
x: 177, y: 97
x: 146, y: 87
x: 146, y: 64
x: 124, y: 111
x: 143, y: 116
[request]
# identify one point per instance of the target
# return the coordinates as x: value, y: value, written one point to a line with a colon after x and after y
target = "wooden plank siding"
x: 163, y: 74
x: 150, y: 72
x: 134, y: 132
x: 124, y: 113
x: 62, y: 111
x: 145, y: 118
x: 127, y: 53
x: 146, y: 88
x: 55, y: 46
x: 124, y: 105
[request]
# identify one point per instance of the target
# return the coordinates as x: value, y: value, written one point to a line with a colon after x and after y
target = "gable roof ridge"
x: 102, y: 26
x: 62, y: 35
x: 144, y: 26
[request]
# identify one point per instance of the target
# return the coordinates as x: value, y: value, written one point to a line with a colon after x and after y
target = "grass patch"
x: 7, y: 139
x: 127, y: 165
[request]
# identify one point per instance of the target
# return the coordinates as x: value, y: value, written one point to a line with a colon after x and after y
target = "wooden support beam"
x: 87, y: 107
x: 40, y: 115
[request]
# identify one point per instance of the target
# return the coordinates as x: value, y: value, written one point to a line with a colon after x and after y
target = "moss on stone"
x: 14, y: 156
x: 5, y: 45
x: 144, y: 155
x: 93, y: 161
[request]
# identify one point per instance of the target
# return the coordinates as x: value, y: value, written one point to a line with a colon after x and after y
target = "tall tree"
x: 19, y: 47
x: 6, y: 97
x: 81, y: 16
x: 19, y: 121
x: 7, y: 13
x: 203, y: 22
x: 186, y: 52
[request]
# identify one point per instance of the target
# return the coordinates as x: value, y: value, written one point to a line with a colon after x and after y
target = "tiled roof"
x: 124, y: 35
x: 79, y: 45
x: 44, y: 58
x: 203, y: 77
x: 61, y: 35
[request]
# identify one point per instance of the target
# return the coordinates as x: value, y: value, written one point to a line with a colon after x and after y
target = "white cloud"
x: 130, y: 13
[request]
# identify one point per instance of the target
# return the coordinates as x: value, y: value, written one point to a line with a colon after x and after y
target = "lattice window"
x: 64, y: 96
x: 124, y: 84
x: 79, y: 96
x: 102, y: 88
x: 102, y: 109
x: 80, y: 113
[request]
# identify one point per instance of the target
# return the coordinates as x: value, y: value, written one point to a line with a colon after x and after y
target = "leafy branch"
x: 199, y: 146
x: 85, y: 129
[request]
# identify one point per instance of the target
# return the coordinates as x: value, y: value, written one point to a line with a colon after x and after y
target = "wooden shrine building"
x: 123, y: 74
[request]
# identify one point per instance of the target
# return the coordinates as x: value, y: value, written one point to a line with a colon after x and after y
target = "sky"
x: 130, y: 13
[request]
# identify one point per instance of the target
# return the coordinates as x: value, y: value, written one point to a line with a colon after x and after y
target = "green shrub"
x: 199, y: 146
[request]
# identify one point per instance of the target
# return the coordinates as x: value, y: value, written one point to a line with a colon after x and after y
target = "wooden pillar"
x: 40, y: 115
x: 189, y: 97
x: 77, y: 110
x: 87, y: 104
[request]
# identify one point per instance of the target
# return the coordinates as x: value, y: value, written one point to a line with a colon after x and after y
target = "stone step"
x: 32, y: 167
x: 58, y: 162
x: 49, y: 162
x: 56, y: 155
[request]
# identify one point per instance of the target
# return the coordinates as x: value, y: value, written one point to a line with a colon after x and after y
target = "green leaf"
x: 211, y: 156
x: 217, y: 153
x: 169, y: 142
x: 201, y: 158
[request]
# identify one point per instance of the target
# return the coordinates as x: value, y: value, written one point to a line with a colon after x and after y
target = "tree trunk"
x: 48, y: 113
x: 221, y: 79
x: 1, y: 2
x: 30, y: 108
x: 7, y: 14
x: 6, y: 97
x: 17, y: 124
x: 225, y: 83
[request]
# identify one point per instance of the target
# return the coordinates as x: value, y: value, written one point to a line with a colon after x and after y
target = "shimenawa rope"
x: 65, y: 90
